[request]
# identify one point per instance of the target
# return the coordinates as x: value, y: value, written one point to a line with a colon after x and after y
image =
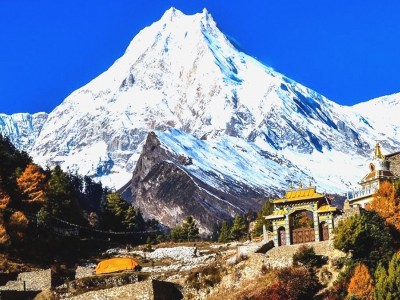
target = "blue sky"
x: 345, y: 50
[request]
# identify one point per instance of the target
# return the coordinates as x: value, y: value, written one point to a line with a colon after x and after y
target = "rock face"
x: 210, y: 180
x: 163, y: 189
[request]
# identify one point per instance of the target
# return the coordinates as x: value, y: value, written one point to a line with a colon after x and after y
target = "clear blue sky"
x: 347, y: 50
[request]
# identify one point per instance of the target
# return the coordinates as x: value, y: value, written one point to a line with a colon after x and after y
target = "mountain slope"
x: 179, y: 175
x: 22, y: 128
x: 182, y: 72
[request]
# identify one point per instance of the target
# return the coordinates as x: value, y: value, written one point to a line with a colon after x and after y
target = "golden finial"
x: 378, y: 153
x: 301, y: 185
x: 310, y: 184
x: 291, y: 186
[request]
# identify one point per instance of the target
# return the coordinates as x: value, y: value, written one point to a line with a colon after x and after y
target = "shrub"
x: 305, y: 256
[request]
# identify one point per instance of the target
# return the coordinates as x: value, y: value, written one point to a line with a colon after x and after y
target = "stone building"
x: 380, y: 170
x: 305, y: 201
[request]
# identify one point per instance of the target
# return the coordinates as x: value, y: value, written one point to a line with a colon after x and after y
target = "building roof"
x: 378, y: 174
x: 276, y: 214
x: 326, y: 208
x: 300, y: 194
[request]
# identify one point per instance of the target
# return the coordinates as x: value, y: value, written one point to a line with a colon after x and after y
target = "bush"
x: 305, y: 256
x: 366, y: 237
x: 294, y: 283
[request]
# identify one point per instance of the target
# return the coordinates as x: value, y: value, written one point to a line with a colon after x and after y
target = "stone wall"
x: 394, y: 163
x: 30, y: 281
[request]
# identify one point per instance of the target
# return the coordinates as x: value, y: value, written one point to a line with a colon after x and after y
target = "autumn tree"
x: 386, y: 203
x: 17, y: 225
x: 4, y: 237
x: 32, y: 183
x: 361, y: 284
x: 4, y: 198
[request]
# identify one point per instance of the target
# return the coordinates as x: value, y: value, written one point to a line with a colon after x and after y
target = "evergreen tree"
x: 11, y: 162
x: 224, y: 235
x: 61, y: 199
x: 188, y: 231
x: 177, y: 234
x: 366, y: 237
x: 239, y: 228
x: 266, y: 210
x: 361, y: 284
x: 119, y: 215
x: 393, y: 278
x: 381, y: 285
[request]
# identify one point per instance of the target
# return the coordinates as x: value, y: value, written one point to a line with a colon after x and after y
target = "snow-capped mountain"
x: 22, y: 128
x: 182, y: 72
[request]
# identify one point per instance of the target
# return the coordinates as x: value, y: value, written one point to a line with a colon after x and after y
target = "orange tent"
x: 115, y: 265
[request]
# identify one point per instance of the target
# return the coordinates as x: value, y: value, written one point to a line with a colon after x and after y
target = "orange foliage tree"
x: 17, y: 225
x: 4, y: 237
x: 4, y: 198
x: 387, y: 204
x: 32, y: 183
x: 361, y: 284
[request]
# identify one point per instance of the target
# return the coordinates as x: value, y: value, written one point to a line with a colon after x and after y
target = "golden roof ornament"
x: 378, y: 153
x: 291, y: 186
x: 301, y: 185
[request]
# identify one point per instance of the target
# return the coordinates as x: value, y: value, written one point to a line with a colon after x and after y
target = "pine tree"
x: 361, y: 284
x: 381, y: 286
x: 61, y: 199
x: 239, y: 228
x: 190, y: 229
x: 367, y: 238
x: 393, y: 278
x: 266, y: 210
x: 224, y: 234
x: 119, y: 215
x: 32, y: 183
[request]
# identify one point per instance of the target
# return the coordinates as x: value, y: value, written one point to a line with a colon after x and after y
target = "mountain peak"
x: 171, y: 13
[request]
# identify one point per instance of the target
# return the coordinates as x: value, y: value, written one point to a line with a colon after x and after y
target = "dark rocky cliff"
x: 163, y: 187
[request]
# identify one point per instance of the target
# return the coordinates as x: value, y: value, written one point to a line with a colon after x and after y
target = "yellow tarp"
x: 116, y: 265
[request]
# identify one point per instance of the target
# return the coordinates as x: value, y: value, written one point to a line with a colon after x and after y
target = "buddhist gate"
x: 302, y: 216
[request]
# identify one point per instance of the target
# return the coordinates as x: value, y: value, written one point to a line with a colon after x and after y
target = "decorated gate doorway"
x: 323, y: 231
x: 281, y: 236
x: 302, y: 227
x: 300, y: 216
